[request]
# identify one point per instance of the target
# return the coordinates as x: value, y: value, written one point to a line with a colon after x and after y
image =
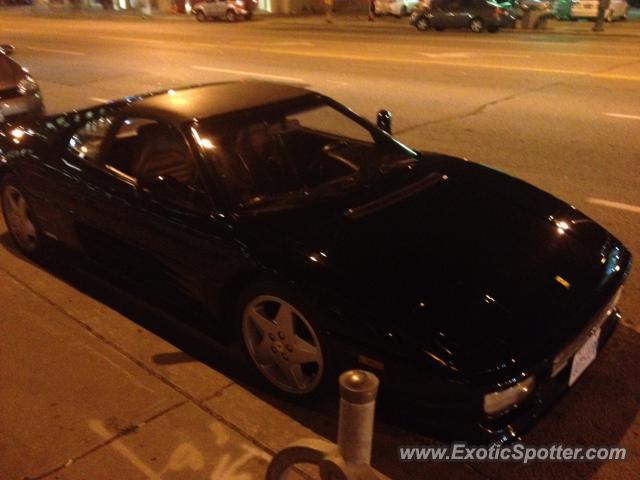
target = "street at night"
x: 101, y: 383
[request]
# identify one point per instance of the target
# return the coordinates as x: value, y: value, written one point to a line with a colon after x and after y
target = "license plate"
x: 584, y: 357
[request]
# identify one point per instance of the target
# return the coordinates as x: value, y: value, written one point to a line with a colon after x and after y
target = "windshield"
x: 295, y: 150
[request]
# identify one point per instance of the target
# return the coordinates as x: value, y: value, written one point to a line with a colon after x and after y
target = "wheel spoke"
x: 262, y: 323
x: 13, y: 205
x: 22, y: 207
x: 304, y: 352
x: 294, y: 375
x: 285, y: 320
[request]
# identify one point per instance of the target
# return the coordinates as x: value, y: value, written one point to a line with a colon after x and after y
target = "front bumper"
x: 23, y: 107
x: 550, y: 389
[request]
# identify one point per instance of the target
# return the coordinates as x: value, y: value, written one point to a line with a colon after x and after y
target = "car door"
x: 209, y: 8
x: 220, y: 7
x: 174, y: 244
x: 462, y: 11
x: 449, y: 11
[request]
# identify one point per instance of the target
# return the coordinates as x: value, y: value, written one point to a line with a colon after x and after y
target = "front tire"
x: 283, y: 340
x: 20, y: 220
x: 200, y: 16
x: 230, y: 16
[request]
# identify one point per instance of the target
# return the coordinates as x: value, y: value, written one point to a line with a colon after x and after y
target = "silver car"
x: 20, y: 96
x: 230, y: 10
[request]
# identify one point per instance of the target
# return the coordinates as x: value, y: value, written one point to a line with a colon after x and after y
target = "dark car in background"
x: 20, y: 96
x: 476, y: 15
x: 319, y: 242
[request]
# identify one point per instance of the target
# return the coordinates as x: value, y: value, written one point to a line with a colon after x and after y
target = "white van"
x: 618, y: 10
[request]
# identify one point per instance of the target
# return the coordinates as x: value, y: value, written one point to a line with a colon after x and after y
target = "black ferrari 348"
x: 321, y: 242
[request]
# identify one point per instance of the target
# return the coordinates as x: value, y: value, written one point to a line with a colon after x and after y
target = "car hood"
x: 472, y: 269
x: 10, y: 72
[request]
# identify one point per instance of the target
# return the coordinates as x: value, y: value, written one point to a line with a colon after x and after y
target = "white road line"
x: 623, y: 115
x: 475, y: 53
x: 618, y: 205
x: 99, y: 99
x: 250, y: 74
x: 446, y: 55
x: 294, y: 44
x: 56, y: 50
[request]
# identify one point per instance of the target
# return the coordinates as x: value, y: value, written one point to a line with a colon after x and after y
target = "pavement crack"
x: 218, y: 392
x: 128, y: 430
x: 478, y: 110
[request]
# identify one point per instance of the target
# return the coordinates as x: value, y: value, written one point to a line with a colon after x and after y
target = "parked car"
x: 230, y: 10
x: 399, y: 8
x: 476, y: 15
x: 20, y: 96
x: 618, y: 10
x: 320, y: 242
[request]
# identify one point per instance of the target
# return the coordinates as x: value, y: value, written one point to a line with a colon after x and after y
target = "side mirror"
x: 7, y: 49
x: 384, y: 121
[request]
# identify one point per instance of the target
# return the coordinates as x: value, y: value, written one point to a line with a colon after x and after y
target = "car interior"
x: 147, y: 149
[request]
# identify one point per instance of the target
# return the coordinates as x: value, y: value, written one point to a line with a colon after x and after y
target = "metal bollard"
x: 358, y: 391
x: 350, y: 459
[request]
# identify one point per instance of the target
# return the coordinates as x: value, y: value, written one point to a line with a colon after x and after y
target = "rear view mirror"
x: 7, y: 49
x: 384, y: 121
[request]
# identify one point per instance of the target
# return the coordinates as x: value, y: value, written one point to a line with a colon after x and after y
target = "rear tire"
x: 230, y: 16
x: 422, y: 24
x: 476, y: 25
x: 20, y: 219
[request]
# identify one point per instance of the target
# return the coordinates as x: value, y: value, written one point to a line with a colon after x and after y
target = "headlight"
x: 27, y: 85
x: 496, y: 402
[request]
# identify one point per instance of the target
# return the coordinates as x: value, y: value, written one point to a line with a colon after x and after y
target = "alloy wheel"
x: 282, y: 344
x: 19, y: 222
x: 476, y: 25
x: 422, y: 24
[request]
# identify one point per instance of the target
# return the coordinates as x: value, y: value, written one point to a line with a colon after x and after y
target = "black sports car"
x: 323, y: 243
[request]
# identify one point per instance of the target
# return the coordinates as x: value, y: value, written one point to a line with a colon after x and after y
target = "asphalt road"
x: 560, y: 110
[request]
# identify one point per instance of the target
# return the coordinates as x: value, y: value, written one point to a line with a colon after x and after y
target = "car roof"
x: 204, y: 101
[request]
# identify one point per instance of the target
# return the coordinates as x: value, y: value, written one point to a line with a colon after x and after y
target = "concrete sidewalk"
x: 85, y: 395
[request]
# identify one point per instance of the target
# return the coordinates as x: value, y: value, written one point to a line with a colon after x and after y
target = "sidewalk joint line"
x: 120, y: 434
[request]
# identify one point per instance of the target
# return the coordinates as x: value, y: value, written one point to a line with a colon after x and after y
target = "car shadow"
x: 599, y: 410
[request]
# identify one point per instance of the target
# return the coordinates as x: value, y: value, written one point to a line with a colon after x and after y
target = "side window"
x: 86, y: 142
x: 144, y: 149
